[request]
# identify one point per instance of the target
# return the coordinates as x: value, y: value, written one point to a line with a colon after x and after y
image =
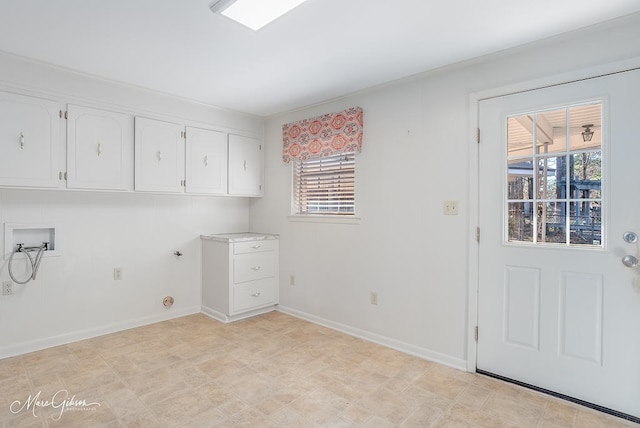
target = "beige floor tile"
x: 559, y: 414
x: 474, y: 397
x: 273, y: 370
x: 511, y: 409
x: 320, y: 405
x: 423, y: 416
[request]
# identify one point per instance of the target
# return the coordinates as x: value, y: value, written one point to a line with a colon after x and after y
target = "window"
x: 554, y: 176
x: 325, y: 185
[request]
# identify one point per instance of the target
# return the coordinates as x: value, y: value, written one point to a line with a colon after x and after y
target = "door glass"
x: 554, y: 176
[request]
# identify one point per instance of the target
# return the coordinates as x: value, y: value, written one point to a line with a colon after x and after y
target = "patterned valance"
x: 325, y: 135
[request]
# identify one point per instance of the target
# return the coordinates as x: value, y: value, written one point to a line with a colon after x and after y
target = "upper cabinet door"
x: 206, y: 161
x: 99, y: 149
x: 245, y: 166
x: 29, y: 141
x: 159, y: 156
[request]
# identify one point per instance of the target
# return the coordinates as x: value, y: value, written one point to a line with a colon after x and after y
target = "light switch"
x: 450, y: 208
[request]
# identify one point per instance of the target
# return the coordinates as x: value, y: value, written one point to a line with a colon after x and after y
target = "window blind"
x: 325, y: 185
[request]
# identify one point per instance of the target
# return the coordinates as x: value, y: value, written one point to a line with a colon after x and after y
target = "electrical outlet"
x: 292, y: 280
x: 117, y: 274
x: 374, y: 298
x: 450, y: 208
x: 7, y: 288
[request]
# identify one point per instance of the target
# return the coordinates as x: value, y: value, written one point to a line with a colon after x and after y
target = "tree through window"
x: 554, y: 175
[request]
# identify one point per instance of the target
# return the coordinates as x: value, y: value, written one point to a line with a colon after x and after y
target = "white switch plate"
x: 374, y: 298
x: 450, y: 208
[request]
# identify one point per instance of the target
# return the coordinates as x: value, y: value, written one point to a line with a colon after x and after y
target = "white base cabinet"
x: 239, y: 275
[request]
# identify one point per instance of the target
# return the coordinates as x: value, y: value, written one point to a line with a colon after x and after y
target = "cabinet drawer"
x: 255, y: 246
x: 253, y: 294
x: 249, y: 267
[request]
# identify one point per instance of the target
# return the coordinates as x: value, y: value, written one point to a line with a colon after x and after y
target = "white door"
x: 557, y: 308
x: 206, y: 166
x: 29, y: 141
x: 245, y: 166
x: 159, y: 156
x: 99, y: 149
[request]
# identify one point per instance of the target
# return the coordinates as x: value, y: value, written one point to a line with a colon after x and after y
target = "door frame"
x: 473, y: 167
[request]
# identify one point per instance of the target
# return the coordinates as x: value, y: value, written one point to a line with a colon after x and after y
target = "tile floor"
x: 269, y: 371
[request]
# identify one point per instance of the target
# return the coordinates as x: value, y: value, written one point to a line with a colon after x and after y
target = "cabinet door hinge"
x: 260, y: 147
x: 475, y: 334
x: 478, y: 234
x: 478, y: 136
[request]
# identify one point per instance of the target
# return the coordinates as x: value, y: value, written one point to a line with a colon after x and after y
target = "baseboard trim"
x: 219, y: 316
x: 63, y: 339
x: 563, y: 397
x: 407, y: 348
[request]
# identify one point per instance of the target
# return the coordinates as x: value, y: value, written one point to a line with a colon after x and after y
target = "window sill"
x: 339, y: 219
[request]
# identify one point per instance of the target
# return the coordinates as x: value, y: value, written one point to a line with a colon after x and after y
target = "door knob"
x: 630, y: 261
x: 630, y: 237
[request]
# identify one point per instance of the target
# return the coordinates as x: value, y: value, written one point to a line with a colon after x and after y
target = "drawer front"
x: 249, y: 267
x: 255, y: 246
x: 254, y: 294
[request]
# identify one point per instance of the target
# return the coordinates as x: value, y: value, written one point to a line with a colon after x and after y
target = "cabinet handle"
x: 99, y: 149
x: 255, y: 247
x: 245, y: 165
x: 256, y: 268
x: 159, y: 155
x: 22, y: 140
x: 255, y: 295
x: 206, y: 161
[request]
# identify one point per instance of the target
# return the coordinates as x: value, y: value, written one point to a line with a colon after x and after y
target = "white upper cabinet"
x: 206, y: 168
x: 159, y: 156
x: 99, y: 149
x: 29, y: 141
x: 245, y: 166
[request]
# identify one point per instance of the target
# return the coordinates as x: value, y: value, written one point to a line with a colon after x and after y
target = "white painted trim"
x: 324, y: 219
x: 472, y: 271
x: 474, y: 100
x: 219, y: 316
x: 427, y: 354
x: 63, y: 339
x: 559, y: 79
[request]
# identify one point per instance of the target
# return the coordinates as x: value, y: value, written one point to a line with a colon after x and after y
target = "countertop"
x: 239, y: 237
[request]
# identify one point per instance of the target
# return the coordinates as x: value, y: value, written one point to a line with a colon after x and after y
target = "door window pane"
x: 551, y: 222
x: 555, y: 184
x: 585, y: 223
x: 519, y: 136
x: 521, y: 179
x: 520, y: 218
x: 551, y: 131
x: 548, y: 177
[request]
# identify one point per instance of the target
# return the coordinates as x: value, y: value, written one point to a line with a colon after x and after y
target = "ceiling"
x: 321, y: 50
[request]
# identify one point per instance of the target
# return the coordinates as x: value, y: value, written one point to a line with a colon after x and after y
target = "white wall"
x: 416, y: 154
x: 75, y: 295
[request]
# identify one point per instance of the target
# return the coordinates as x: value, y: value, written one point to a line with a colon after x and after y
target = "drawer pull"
x: 255, y: 295
x: 256, y: 268
x: 255, y: 247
